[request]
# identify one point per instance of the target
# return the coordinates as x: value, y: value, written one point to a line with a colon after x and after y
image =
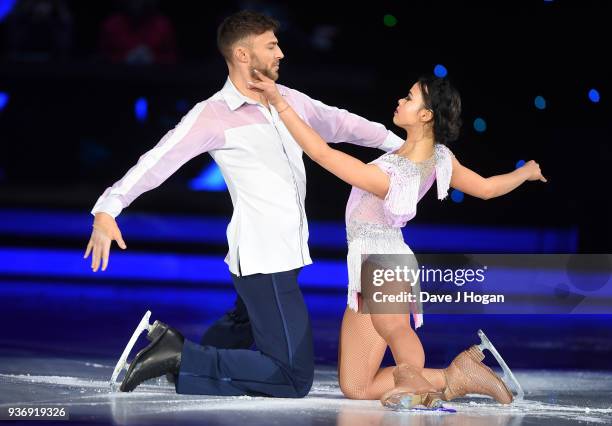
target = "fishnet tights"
x: 362, y: 348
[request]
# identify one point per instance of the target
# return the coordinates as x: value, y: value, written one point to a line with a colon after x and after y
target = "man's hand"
x: 105, y: 230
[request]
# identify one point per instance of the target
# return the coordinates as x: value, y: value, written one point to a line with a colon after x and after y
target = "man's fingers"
x: 98, y: 259
x: 120, y: 242
x: 95, y: 259
x: 93, y: 256
x: 88, y: 249
x: 105, y: 255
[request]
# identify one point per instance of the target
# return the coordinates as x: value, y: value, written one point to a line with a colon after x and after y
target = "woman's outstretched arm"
x: 350, y: 169
x: 471, y: 183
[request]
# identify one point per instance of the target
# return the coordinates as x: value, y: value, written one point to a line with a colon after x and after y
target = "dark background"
x: 68, y: 130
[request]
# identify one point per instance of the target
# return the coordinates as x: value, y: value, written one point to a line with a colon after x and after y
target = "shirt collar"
x: 235, y: 99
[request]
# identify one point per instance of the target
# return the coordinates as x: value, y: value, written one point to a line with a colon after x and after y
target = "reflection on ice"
x: 82, y: 387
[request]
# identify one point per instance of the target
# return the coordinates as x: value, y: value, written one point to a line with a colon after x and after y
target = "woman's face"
x: 411, y: 110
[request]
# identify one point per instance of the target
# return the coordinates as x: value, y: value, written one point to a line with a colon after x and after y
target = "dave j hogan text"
x: 425, y: 297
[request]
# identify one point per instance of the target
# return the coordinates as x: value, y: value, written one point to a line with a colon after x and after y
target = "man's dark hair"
x: 241, y: 25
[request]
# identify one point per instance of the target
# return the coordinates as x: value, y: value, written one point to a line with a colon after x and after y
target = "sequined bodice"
x: 366, y: 208
x: 409, y: 181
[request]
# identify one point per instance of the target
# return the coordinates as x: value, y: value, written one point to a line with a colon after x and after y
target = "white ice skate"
x: 509, y: 379
x: 122, y: 363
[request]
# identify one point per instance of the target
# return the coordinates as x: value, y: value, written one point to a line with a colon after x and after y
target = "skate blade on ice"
x: 122, y: 363
x: 415, y: 403
x: 509, y: 377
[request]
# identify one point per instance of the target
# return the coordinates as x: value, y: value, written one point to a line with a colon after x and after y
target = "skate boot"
x: 467, y: 374
x: 161, y: 356
x: 154, y: 331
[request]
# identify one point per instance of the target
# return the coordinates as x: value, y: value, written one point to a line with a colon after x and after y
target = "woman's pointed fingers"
x: 261, y: 75
x: 255, y: 86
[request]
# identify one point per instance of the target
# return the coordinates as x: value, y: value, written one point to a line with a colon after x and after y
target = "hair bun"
x: 444, y: 100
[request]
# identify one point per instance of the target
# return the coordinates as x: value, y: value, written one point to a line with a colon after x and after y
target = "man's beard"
x: 268, y: 72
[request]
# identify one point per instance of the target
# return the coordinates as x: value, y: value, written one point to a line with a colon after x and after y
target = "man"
x: 267, y: 236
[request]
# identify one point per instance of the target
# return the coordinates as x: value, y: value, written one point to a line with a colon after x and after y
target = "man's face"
x: 265, y: 55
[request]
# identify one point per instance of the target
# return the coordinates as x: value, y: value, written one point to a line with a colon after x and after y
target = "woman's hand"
x: 533, y: 171
x: 268, y: 88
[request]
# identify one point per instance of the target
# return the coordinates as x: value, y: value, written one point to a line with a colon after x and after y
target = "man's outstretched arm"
x: 339, y: 125
x: 194, y: 135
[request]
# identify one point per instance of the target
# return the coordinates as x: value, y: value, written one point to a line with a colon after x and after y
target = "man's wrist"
x: 102, y: 216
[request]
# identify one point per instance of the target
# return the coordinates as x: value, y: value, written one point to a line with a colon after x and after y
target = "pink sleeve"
x: 339, y: 125
x: 195, y: 134
x: 400, y: 203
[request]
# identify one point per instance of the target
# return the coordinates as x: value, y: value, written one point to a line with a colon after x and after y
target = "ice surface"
x: 551, y: 397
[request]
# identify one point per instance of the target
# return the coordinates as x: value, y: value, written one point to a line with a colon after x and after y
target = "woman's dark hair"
x: 241, y: 25
x: 445, y: 103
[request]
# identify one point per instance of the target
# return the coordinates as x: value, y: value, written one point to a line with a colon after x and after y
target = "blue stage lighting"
x: 210, y: 179
x: 540, y: 102
x: 480, y: 125
x: 141, y: 109
x: 5, y: 8
x: 457, y: 196
x: 594, y: 95
x: 4, y: 98
x: 440, y: 71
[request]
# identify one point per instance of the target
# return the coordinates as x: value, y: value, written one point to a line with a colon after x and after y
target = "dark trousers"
x: 231, y: 331
x: 282, y: 365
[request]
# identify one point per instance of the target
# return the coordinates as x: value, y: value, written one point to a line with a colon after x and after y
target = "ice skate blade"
x: 415, y: 403
x: 408, y: 401
x: 485, y: 343
x: 122, y: 363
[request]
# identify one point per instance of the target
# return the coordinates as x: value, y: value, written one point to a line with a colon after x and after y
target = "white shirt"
x: 261, y: 164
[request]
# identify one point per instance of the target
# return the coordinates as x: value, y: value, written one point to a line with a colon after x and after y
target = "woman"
x: 384, y: 197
